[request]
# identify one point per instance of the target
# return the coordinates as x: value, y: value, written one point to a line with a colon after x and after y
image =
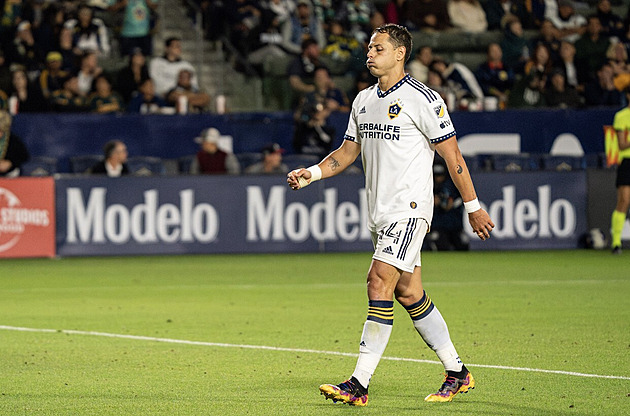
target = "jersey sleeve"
x: 435, y: 122
x: 352, y: 131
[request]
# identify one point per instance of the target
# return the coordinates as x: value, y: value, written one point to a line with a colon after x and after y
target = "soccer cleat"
x: 451, y: 387
x: 346, y: 392
x: 616, y: 250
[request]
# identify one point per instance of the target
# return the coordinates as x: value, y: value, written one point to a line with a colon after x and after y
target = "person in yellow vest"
x: 621, y: 124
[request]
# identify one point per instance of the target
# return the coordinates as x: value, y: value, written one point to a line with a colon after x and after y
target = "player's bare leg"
x: 432, y: 328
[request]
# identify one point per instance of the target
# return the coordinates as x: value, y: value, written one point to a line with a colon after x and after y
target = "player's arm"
x: 331, y: 165
x: 479, y: 219
x: 623, y: 139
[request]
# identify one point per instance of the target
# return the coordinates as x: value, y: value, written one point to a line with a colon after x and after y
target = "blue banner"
x: 222, y: 214
x: 172, y: 136
x: 532, y: 210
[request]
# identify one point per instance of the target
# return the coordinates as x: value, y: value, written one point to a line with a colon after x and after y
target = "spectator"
x: 447, y: 228
x: 591, y: 49
x: 131, y: 76
x: 514, y: 46
x: 302, y: 69
x: 498, y: 10
x: 138, y: 19
x: 88, y: 71
x: 164, y: 70
x: 25, y: 52
x: 459, y: 74
x: 185, y: 97
x: 495, y: 78
x: 570, y: 24
x: 13, y: 151
x: 341, y: 47
x: 355, y: 16
x: 47, y: 33
x: 25, y: 96
x: 115, y: 162
x: 467, y: 15
x: 395, y: 12
x: 52, y: 76
x: 529, y: 92
x: 561, y: 95
x: 267, y: 40
x: 612, y: 24
x: 243, y: 16
x: 567, y: 64
x: 428, y: 15
x: 601, y: 92
x: 540, y: 61
x: 10, y: 17
x: 68, y: 99
x: 89, y: 33
x: 271, y: 163
x: 103, y: 99
x: 212, y: 160
x: 70, y: 58
x: 5, y: 73
x: 617, y: 56
x: 451, y: 92
x: 550, y: 37
x: 313, y: 134
x: 419, y: 67
x: 147, y: 102
x: 304, y: 25
x: 281, y: 9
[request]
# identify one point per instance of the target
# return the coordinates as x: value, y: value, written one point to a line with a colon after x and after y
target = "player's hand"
x: 298, y: 178
x: 481, y: 223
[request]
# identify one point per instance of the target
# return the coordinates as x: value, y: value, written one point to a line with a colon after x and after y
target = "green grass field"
x: 520, y: 320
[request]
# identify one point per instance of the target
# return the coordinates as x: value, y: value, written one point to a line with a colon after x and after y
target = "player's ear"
x: 400, y: 53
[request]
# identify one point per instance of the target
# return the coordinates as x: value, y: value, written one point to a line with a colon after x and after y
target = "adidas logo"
x: 362, y: 344
x: 362, y: 111
x: 388, y: 250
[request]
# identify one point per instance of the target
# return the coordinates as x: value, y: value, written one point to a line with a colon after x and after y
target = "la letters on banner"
x: 27, y: 217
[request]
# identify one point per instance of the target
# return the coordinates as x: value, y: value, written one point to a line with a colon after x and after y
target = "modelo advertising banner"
x: 220, y: 214
x: 27, y: 217
x: 532, y: 210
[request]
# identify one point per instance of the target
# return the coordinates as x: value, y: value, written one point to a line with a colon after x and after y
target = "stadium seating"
x: 248, y: 158
x: 82, y: 163
x: 146, y: 166
x: 300, y: 161
x: 563, y: 163
x: 515, y: 163
x: 39, y: 166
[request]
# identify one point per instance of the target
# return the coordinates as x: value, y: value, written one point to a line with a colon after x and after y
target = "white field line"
x: 303, y: 350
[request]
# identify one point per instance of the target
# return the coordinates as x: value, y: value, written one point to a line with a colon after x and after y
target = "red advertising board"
x: 27, y: 217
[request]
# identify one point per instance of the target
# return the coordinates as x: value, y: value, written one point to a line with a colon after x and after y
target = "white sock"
x: 373, y: 342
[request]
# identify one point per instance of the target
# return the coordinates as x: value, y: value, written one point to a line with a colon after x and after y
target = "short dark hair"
x: 399, y: 36
x: 109, y: 147
x: 170, y: 40
x: 308, y: 42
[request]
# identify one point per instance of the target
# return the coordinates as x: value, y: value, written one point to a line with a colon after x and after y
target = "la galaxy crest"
x: 395, y: 109
x: 439, y: 111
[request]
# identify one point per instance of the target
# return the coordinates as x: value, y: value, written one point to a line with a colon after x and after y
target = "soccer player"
x: 621, y: 124
x: 397, y: 125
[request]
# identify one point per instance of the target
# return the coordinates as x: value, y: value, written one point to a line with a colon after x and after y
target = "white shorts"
x: 399, y: 243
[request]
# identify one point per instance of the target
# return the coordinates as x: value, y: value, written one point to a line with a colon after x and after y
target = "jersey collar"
x: 382, y: 94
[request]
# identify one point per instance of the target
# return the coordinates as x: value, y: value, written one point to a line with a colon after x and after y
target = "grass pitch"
x: 257, y: 334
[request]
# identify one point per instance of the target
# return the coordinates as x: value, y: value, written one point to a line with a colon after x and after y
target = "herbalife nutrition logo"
x: 14, y: 219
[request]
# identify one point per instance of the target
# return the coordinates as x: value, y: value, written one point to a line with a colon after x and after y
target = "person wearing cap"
x: 271, y: 162
x: 51, y: 77
x: 13, y: 151
x: 571, y: 25
x: 114, y: 163
x: 210, y: 159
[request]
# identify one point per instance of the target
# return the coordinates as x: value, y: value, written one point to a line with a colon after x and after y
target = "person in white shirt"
x: 165, y: 69
x: 396, y: 126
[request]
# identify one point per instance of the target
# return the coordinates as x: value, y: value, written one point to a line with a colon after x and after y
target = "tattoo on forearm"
x: 459, y: 169
x: 333, y: 164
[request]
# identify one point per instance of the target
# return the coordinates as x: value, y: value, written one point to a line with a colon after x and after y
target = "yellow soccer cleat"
x: 451, y: 387
x: 346, y: 392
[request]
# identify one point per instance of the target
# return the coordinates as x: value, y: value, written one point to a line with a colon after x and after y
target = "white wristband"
x: 472, y: 206
x: 316, y: 174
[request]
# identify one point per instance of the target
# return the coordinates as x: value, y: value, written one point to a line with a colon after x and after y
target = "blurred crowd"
x: 551, y: 53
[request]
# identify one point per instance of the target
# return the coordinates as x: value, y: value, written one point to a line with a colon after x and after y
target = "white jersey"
x: 397, y: 130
